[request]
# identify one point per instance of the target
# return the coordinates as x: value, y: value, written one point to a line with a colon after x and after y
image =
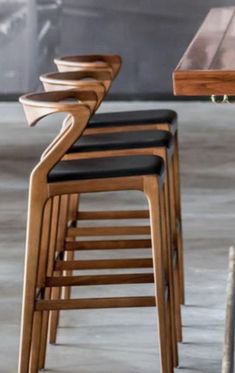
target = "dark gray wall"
x: 151, y: 35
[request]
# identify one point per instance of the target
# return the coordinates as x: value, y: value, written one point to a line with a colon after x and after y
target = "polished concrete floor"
x: 124, y: 340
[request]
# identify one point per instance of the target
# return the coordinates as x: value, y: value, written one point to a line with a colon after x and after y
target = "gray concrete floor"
x: 124, y: 340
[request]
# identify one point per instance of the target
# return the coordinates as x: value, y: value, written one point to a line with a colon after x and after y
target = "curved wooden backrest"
x: 98, y: 61
x: 41, y: 104
x: 89, y: 80
x: 79, y: 105
x: 85, y: 76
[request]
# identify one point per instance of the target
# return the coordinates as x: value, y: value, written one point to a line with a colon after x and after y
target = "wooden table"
x: 208, y: 68
x: 208, y: 65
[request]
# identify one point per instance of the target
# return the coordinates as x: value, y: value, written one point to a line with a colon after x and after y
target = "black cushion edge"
x: 133, y: 117
x: 109, y: 167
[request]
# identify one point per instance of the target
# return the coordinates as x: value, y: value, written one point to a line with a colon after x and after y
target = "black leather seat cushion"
x: 133, y: 117
x: 127, y: 140
x: 106, y: 167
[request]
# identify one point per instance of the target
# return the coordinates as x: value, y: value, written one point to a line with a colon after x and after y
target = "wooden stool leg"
x: 71, y: 214
x: 174, y: 257
x: 152, y: 190
x: 165, y: 213
x: 176, y: 162
x: 50, y: 265
x: 41, y: 329
x: 36, y: 207
x: 69, y: 255
x: 43, y: 340
x: 54, y: 316
x: 34, y: 359
x: 57, y: 292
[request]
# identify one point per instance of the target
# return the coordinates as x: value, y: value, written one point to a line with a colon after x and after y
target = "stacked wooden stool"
x: 95, y: 153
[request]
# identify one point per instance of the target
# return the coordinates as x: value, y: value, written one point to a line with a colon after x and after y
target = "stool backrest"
x: 79, y: 105
x: 100, y: 61
x: 89, y: 80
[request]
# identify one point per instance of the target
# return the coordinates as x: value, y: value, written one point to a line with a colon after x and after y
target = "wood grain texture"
x: 104, y: 264
x: 228, y: 356
x: 208, y: 65
x: 117, y: 302
x: 108, y: 231
x: 106, y: 215
x: 107, y: 245
x: 132, y: 278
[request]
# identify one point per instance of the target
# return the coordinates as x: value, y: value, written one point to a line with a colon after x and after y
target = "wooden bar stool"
x: 89, y: 79
x: 52, y: 181
x: 160, y: 143
x: 141, y: 120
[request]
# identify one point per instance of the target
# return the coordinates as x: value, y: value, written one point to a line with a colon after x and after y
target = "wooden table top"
x: 208, y: 65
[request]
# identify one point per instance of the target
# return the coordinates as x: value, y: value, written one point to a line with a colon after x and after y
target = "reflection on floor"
x: 121, y: 341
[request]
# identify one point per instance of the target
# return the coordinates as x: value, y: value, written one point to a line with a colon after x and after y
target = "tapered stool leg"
x: 50, y: 266
x: 152, y: 190
x: 35, y: 219
x: 167, y: 239
x: 168, y: 216
x: 38, y: 328
x: 175, y: 256
x: 57, y: 292
x: 69, y: 255
x: 36, y: 337
x: 176, y: 163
